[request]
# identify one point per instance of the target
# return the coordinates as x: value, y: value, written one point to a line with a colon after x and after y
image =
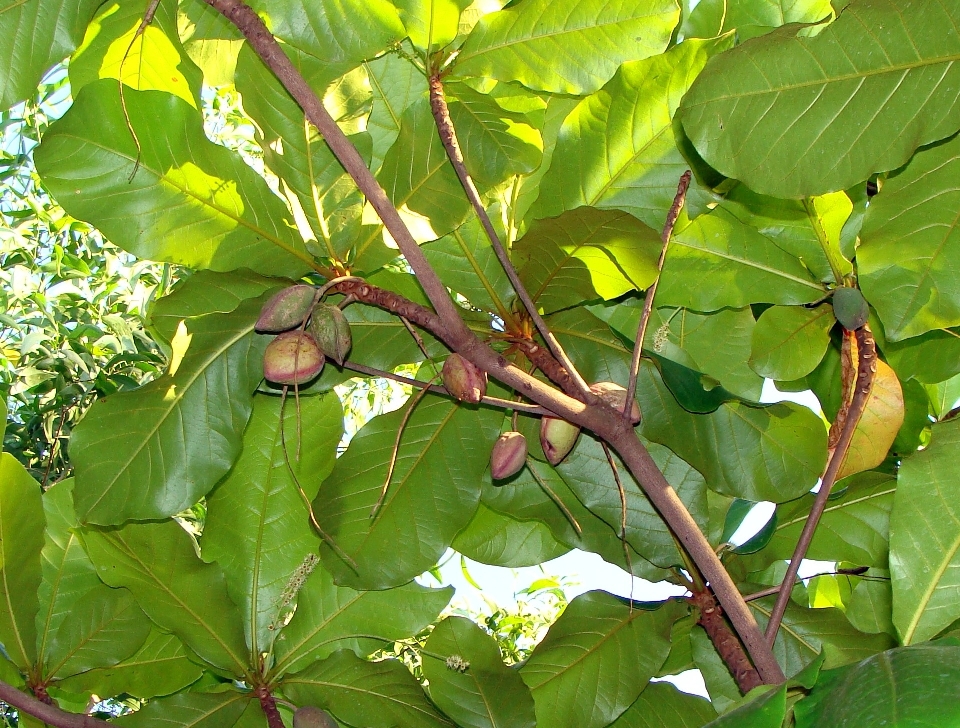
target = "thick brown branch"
x: 725, y: 642
x: 269, y: 706
x: 866, y: 368
x: 49, y: 714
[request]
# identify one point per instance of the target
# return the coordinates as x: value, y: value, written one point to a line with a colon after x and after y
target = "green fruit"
x: 557, y: 438
x: 850, y: 308
x: 332, y: 331
x: 463, y: 379
x: 311, y: 717
x: 285, y: 310
x: 293, y: 357
x: 508, y: 456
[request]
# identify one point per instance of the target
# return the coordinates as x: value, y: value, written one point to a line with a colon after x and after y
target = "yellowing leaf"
x: 879, y: 424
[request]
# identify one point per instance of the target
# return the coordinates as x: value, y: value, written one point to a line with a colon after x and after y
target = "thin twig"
x: 555, y: 498
x: 49, y: 714
x: 866, y: 368
x: 675, y: 208
x: 53, y: 448
x: 148, y: 16
x: 448, y: 136
x: 415, y: 335
x: 623, y: 514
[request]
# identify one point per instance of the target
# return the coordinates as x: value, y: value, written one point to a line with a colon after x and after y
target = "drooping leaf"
x: 190, y: 710
x: 493, y: 538
x: 258, y: 528
x: 601, y: 647
x: 930, y: 358
x: 377, y: 694
x: 396, y: 84
x: 190, y: 202
x: 477, y: 690
x: 585, y: 255
x: 917, y: 685
x: 869, y: 607
x: 35, y: 35
x: 617, y: 148
x: 158, y: 562
x: 331, y: 618
x: 766, y: 710
x: 910, y: 246
x: 661, y: 705
x: 789, y: 341
x: 153, y: 452
x: 21, y: 541
x: 570, y: 48
x: 793, y: 116
x: 751, y: 18
x: 734, y: 265
x: 431, y: 23
x: 925, y: 538
x: 211, y: 41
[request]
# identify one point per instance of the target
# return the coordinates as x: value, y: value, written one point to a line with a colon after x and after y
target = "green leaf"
x: 189, y: 710
x: 599, y: 353
x: 431, y: 23
x: 569, y: 48
x: 190, y: 202
x: 925, y: 538
x: 375, y: 694
x: 493, y: 538
x: 433, y: 491
x: 601, y: 647
x: 617, y: 148
x: 104, y: 627
x: 396, y: 85
x: 720, y: 684
x: 790, y: 341
x: 751, y: 18
x: 258, y: 528
x: 158, y: 562
x: 153, y: 452
x: 912, y: 686
x: 930, y: 358
x: 910, y: 243
x: 211, y: 41
x: 588, y: 473
x: 869, y: 607
x: 661, y: 705
x: 734, y: 265
x: 331, y: 618
x: 585, y: 255
x: 340, y: 33
x: 478, y: 691
x: 724, y: 445
x: 793, y: 116
x: 35, y: 35
x: 159, y: 667
x: 21, y: 541
x: 766, y: 710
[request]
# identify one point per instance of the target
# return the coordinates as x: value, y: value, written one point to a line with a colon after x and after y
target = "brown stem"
x: 725, y: 642
x: 49, y: 714
x: 448, y: 136
x: 453, y: 331
x: 672, y: 215
x: 269, y: 706
x: 866, y: 368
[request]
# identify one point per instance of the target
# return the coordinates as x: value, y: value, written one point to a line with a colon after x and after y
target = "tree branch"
x: 866, y: 368
x: 725, y: 642
x: 49, y: 714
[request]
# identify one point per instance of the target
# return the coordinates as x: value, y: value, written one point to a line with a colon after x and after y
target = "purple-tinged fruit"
x: 310, y: 717
x: 508, y: 455
x: 332, y: 331
x: 615, y: 396
x: 285, y: 310
x: 463, y: 379
x: 557, y: 438
x: 293, y: 357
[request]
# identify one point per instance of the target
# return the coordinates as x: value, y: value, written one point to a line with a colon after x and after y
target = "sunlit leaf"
x: 789, y: 341
x: 879, y: 425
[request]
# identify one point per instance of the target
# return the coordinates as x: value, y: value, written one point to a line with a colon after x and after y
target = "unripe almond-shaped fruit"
x: 463, y: 379
x: 850, y: 308
x: 310, y: 717
x: 557, y: 438
x: 286, y: 309
x: 293, y: 357
x: 332, y: 331
x: 508, y: 455
x: 615, y: 396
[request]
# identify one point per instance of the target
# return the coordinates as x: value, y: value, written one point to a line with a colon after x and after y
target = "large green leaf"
x: 789, y: 341
x: 478, y: 690
x: 499, y: 540
x: 160, y: 667
x: 190, y: 710
x: 396, y: 84
x: 907, y: 686
x: 793, y: 116
x: 210, y: 39
x: 35, y: 34
x: 925, y: 538
x: 774, y: 453
x: 910, y: 246
x: 764, y: 711
x: 374, y: 694
x: 930, y: 358
x: 433, y: 492
x: 733, y: 265
x: 721, y: 686
x: 21, y: 542
x: 104, y: 627
x: 751, y: 18
x: 183, y: 200
x: 155, y: 451
x: 617, y: 148
x: 158, y: 562
x: 569, y: 48
x: 661, y: 705
x: 431, y: 23
x: 602, y: 647
x: 589, y: 475
x: 258, y: 528
x: 585, y: 255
